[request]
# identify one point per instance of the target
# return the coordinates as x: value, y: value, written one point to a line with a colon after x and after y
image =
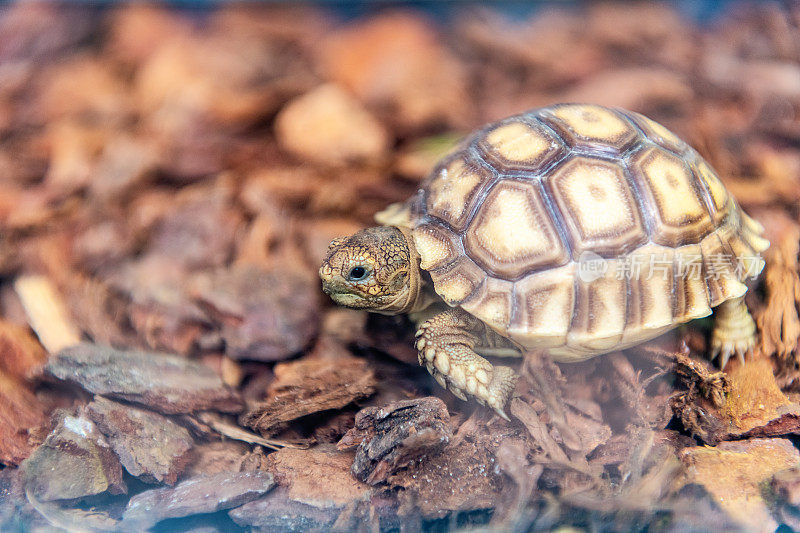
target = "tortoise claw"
x: 724, y: 350
x: 734, y: 332
x: 724, y: 356
x: 457, y: 392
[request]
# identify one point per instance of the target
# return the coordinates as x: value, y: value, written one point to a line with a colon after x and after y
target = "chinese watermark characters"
x: 665, y: 266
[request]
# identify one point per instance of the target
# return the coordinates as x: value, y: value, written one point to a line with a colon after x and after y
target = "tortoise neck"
x: 413, y: 299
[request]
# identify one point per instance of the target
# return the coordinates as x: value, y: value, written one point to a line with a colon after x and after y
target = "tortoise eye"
x: 357, y: 273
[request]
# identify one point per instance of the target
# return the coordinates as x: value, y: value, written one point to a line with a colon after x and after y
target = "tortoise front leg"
x: 734, y: 331
x: 446, y: 345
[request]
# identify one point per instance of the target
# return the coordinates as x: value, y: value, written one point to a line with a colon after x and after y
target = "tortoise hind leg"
x: 446, y: 345
x: 734, y: 331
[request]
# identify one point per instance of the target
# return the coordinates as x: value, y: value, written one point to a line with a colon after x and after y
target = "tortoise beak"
x: 332, y: 283
x: 327, y: 277
x: 340, y: 291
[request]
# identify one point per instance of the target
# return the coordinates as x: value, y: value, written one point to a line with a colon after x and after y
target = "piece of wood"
x: 47, y: 314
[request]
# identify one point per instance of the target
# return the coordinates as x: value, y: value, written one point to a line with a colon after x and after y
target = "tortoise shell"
x: 581, y: 229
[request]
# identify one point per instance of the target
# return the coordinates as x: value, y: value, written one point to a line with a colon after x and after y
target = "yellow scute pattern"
x: 434, y: 246
x: 598, y: 206
x: 594, y: 123
x: 517, y: 143
x: 512, y: 232
x: 717, y: 191
x: 452, y: 191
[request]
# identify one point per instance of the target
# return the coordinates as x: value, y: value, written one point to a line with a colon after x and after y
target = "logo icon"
x: 591, y: 267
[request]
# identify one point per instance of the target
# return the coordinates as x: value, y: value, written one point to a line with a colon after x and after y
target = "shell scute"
x: 691, y: 293
x: 457, y: 282
x: 659, y: 134
x: 492, y: 303
x: 513, y: 233
x: 599, y: 318
x: 669, y: 187
x: 720, y: 271
x: 592, y: 127
x: 650, y: 276
x: 453, y: 191
x: 544, y: 302
x: 716, y: 196
x: 750, y: 263
x: 598, y: 206
x: 435, y: 245
x: 517, y: 145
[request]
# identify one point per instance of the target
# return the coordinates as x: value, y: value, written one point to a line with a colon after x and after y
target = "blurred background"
x: 172, y: 174
x: 276, y: 122
x: 141, y: 144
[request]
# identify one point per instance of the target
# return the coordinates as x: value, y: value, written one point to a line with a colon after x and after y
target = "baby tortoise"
x: 572, y: 229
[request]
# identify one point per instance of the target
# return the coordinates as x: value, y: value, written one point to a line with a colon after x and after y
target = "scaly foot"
x: 734, y: 331
x: 446, y: 348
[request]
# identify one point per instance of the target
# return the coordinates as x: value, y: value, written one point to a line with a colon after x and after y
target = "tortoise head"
x: 375, y: 269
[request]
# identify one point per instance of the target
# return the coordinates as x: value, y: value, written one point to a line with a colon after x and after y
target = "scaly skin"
x: 391, y: 282
x: 446, y: 345
x: 734, y: 331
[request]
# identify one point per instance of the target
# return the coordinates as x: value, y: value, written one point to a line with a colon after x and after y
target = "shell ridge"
x: 701, y: 190
x: 557, y: 217
x: 645, y: 216
x: 562, y: 227
x: 628, y: 304
x: 746, y: 237
x: 633, y: 122
x: 556, y: 161
x: 721, y: 282
x: 486, y: 188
